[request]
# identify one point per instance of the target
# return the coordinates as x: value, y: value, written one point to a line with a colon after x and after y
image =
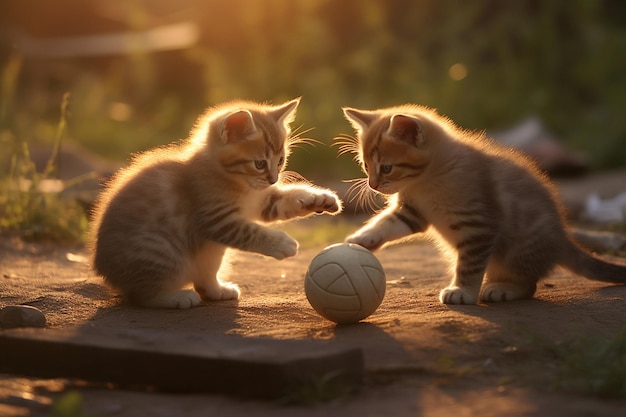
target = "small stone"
x: 21, y: 316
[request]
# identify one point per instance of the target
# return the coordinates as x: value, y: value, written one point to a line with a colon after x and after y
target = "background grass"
x: 31, y: 206
x: 593, y: 366
x: 487, y: 64
x: 556, y: 59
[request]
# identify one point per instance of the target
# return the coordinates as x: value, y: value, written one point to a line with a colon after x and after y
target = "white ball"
x: 345, y: 283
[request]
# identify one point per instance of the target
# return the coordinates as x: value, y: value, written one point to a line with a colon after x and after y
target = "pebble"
x: 21, y: 316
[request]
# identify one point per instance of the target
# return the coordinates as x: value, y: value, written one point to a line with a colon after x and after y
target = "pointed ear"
x: 237, y: 126
x: 406, y: 129
x: 359, y: 119
x: 286, y: 112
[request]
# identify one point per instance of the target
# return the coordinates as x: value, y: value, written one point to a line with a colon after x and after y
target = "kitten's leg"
x: 166, y: 291
x: 155, y: 279
x: 202, y: 271
x: 494, y: 291
x: 517, y: 280
x: 298, y: 200
x: 207, y: 262
x: 474, y: 250
x: 391, y: 224
x: 241, y: 234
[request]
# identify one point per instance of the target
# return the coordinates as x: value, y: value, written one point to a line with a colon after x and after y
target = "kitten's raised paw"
x: 457, y: 295
x: 320, y: 202
x: 218, y: 292
x: 181, y: 299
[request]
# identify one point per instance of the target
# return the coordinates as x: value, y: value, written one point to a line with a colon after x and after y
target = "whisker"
x: 364, y: 196
x: 299, y: 132
x: 346, y: 143
x: 295, y: 138
x: 292, y: 177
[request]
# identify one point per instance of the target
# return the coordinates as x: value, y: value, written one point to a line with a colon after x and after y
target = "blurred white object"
x: 609, y: 210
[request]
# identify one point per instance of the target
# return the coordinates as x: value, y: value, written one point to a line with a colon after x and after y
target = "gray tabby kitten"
x: 496, y: 213
x: 165, y: 221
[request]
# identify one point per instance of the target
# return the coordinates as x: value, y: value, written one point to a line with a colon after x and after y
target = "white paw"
x: 230, y: 291
x: 496, y: 292
x: 369, y: 239
x: 219, y: 291
x: 181, y: 299
x: 458, y: 295
x: 319, y: 202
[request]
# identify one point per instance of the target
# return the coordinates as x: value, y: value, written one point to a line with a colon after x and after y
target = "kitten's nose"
x: 272, y: 179
x: 373, y: 184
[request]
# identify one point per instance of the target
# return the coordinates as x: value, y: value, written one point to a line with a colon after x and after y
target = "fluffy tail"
x: 583, y: 263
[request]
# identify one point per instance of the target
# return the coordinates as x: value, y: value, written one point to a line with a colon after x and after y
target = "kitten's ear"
x: 406, y: 129
x: 238, y: 126
x: 359, y: 119
x: 285, y: 113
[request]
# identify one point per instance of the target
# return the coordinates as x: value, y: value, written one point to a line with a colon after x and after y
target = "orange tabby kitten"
x: 499, y: 216
x: 165, y: 221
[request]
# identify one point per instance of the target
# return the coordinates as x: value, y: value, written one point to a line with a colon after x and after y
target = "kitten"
x: 498, y: 215
x: 166, y: 220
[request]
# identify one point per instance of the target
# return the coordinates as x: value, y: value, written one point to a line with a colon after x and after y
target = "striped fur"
x: 163, y: 223
x: 496, y: 213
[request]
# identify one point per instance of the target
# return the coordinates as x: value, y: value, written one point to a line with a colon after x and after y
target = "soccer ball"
x: 345, y: 283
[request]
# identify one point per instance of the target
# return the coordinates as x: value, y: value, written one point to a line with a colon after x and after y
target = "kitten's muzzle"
x: 380, y: 186
x: 272, y: 178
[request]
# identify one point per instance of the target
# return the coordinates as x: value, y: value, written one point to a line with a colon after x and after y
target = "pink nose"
x: 373, y: 184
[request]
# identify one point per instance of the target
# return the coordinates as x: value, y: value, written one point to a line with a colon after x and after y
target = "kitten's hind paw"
x: 458, y: 295
x: 220, y: 292
x: 506, y: 291
x: 181, y: 299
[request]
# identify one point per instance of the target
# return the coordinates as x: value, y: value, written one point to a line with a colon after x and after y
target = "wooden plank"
x: 180, y: 362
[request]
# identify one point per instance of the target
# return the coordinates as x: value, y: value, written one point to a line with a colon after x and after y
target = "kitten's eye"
x: 281, y: 161
x: 385, y: 168
x: 260, y: 164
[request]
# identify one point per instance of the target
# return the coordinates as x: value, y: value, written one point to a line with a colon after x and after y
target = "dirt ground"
x: 422, y: 358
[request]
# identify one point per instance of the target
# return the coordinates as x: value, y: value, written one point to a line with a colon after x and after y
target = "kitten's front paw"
x: 322, y: 201
x: 281, y: 246
x: 369, y: 239
x: 458, y: 295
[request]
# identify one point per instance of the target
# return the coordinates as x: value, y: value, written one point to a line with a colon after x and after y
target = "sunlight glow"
x: 163, y: 38
x: 458, y: 71
x: 120, y: 112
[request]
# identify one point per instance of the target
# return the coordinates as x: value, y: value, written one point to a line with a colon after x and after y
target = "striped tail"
x: 583, y: 263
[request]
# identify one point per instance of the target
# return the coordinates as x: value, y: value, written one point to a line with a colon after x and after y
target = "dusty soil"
x: 422, y: 358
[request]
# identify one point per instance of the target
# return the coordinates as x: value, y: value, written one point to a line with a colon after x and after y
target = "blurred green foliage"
x: 486, y: 64
x: 31, y: 206
x: 594, y: 366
